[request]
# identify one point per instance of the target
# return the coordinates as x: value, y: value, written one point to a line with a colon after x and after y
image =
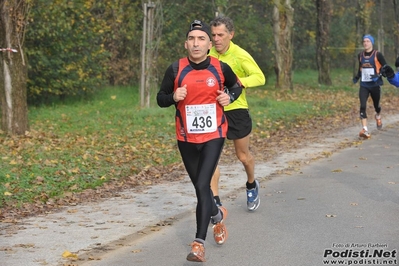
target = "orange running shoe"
x: 219, y: 229
x: 224, y: 212
x: 379, y: 122
x: 364, y: 134
x: 197, y: 252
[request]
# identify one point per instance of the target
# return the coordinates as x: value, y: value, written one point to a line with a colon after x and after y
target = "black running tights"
x: 200, y: 161
x: 364, y: 93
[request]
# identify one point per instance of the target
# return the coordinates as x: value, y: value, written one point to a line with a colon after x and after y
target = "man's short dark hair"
x: 220, y: 20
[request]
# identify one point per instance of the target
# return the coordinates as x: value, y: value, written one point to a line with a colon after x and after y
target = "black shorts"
x: 240, y: 123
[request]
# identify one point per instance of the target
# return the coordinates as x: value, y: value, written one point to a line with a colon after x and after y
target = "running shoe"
x: 364, y: 134
x: 219, y: 228
x: 253, y: 199
x: 224, y: 212
x: 197, y: 252
x: 379, y: 122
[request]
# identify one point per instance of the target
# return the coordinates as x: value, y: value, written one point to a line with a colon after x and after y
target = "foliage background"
x: 75, y: 47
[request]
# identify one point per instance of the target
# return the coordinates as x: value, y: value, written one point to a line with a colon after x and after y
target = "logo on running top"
x: 210, y: 82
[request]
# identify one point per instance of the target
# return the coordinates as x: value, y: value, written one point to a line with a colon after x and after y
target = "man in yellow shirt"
x: 237, y: 113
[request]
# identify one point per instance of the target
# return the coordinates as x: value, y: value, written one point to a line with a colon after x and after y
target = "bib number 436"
x: 201, y: 118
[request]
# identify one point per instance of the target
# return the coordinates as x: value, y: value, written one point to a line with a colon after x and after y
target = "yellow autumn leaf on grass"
x: 113, y: 97
x: 68, y: 254
x: 7, y: 193
x: 147, y: 145
x: 12, y: 162
x: 76, y: 170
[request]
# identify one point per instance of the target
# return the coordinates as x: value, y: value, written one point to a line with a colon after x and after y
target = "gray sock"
x: 199, y: 240
x: 217, y: 218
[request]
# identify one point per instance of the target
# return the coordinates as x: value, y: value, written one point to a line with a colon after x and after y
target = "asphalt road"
x: 339, y: 210
x: 342, y: 208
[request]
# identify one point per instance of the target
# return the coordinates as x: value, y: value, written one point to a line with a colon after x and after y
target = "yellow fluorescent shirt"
x: 245, y: 67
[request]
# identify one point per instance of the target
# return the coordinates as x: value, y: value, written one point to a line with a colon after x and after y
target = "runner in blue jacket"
x: 389, y: 73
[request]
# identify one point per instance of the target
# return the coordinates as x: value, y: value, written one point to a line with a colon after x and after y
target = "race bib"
x: 201, y: 118
x: 367, y: 73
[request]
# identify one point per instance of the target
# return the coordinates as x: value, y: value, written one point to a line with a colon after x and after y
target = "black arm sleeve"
x: 231, y: 82
x: 165, y: 94
x: 381, y: 59
x: 358, y: 69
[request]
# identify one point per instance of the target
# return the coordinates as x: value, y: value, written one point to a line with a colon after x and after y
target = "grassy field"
x: 80, y: 146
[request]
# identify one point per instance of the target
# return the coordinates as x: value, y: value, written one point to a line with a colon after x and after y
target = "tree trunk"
x: 283, y: 21
x: 322, y: 37
x: 147, y: 54
x: 13, y: 69
x: 396, y: 36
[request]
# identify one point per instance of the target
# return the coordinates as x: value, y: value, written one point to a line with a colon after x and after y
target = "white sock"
x: 365, y: 128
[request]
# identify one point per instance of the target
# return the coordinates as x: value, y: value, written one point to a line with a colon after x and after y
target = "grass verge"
x: 81, y: 146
